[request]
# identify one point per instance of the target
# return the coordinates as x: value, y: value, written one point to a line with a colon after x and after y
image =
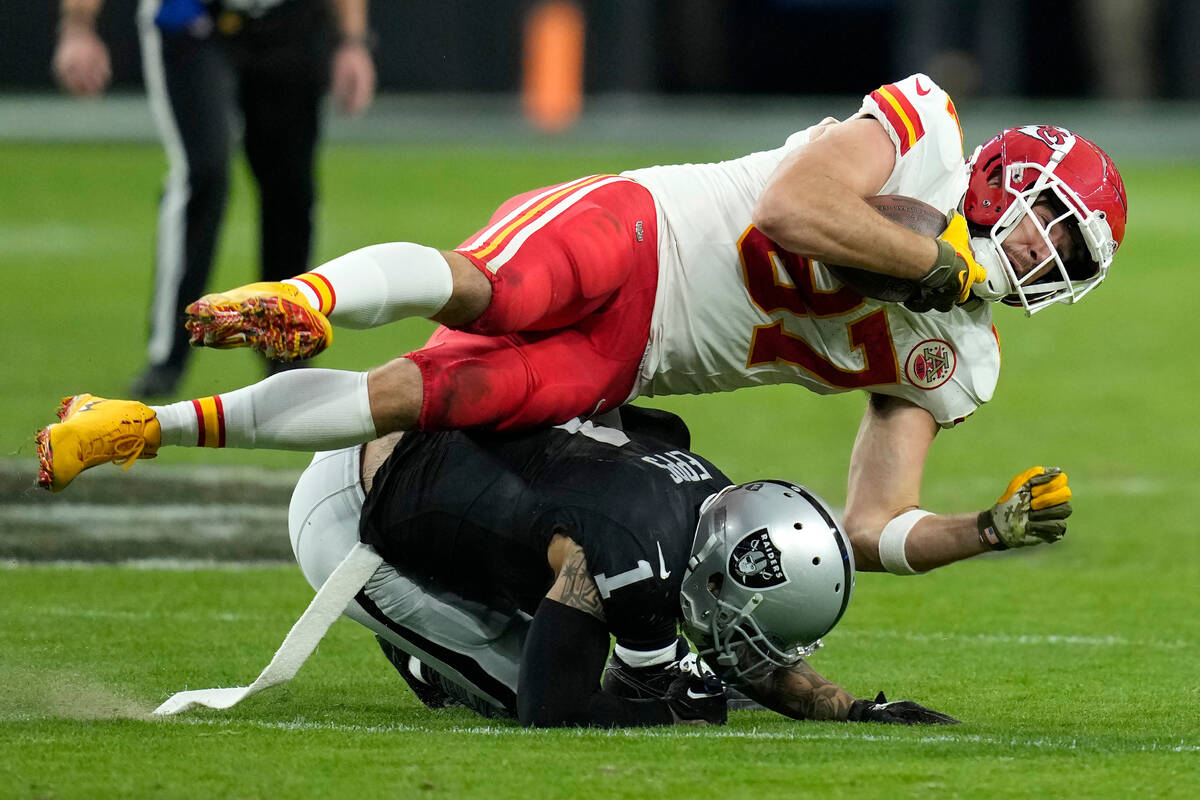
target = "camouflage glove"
x: 953, y: 274
x: 900, y: 712
x: 697, y: 696
x: 1031, y: 511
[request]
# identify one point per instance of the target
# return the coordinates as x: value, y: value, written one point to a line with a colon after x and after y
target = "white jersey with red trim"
x: 733, y: 309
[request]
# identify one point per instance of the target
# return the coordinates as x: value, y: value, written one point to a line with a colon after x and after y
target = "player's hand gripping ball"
x: 950, y: 279
x: 953, y: 274
x: 912, y: 214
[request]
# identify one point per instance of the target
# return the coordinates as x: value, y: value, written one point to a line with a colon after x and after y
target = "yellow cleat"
x: 273, y: 318
x: 91, y: 431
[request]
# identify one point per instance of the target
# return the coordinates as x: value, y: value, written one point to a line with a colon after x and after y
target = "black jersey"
x: 474, y: 512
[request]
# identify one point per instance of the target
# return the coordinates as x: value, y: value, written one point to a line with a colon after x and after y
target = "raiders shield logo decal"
x: 754, y: 562
x: 930, y: 364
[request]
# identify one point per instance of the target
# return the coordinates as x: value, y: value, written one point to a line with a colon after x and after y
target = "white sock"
x: 302, y: 409
x: 178, y: 423
x: 646, y: 658
x: 379, y: 284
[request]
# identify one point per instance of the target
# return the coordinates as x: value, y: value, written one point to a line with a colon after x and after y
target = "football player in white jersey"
x: 689, y: 279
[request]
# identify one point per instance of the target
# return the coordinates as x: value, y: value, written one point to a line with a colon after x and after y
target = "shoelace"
x: 126, y: 446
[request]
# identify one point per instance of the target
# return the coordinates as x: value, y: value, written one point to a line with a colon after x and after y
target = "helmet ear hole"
x: 716, y: 582
x: 994, y: 178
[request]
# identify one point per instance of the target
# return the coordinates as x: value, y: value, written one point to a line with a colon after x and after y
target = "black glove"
x: 900, y: 712
x: 697, y: 696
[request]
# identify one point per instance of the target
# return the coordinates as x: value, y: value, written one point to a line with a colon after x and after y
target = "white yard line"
x: 165, y: 564
x: 873, y: 734
x: 849, y: 735
x: 156, y: 616
x: 192, y: 474
x: 1036, y: 639
x: 146, y: 519
x: 922, y: 637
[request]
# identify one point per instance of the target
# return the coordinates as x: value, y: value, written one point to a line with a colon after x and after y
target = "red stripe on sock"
x: 332, y: 293
x: 220, y: 420
x: 199, y: 422
x: 316, y: 292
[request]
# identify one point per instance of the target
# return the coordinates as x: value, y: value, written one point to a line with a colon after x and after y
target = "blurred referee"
x: 208, y: 64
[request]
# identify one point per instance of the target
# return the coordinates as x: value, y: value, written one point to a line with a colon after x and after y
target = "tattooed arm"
x: 801, y: 692
x: 564, y: 655
x: 569, y: 641
x: 574, y: 586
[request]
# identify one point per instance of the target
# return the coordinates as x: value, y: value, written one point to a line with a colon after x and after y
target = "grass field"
x: 1073, y: 666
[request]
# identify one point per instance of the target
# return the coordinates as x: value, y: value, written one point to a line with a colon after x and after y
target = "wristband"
x: 893, y: 538
x: 947, y: 256
x: 987, y: 532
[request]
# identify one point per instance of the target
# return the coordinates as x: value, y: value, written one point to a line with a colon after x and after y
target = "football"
x: 912, y: 214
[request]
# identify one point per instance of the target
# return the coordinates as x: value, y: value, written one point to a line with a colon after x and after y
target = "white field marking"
x: 156, y: 616
x: 35, y: 238
x: 922, y: 637
x: 284, y: 479
x: 1133, y: 486
x: 984, y: 638
x: 148, y: 519
x: 207, y: 475
x: 1035, y: 639
x: 752, y: 734
x: 156, y: 564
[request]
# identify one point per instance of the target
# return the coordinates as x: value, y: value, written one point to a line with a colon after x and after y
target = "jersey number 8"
x: 771, y: 343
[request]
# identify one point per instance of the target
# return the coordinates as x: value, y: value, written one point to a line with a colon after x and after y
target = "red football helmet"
x: 1008, y: 175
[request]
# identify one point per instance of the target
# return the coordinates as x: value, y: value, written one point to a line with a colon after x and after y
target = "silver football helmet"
x: 771, y: 572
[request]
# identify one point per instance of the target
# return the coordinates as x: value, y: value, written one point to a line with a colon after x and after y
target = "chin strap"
x: 997, y: 286
x: 331, y: 600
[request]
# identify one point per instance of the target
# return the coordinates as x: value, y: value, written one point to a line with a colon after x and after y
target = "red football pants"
x: 573, y: 269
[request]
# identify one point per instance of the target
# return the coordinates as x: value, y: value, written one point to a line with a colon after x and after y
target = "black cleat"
x: 642, y: 683
x: 413, y: 672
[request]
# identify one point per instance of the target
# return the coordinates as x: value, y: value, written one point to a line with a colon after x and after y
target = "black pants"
x: 271, y: 73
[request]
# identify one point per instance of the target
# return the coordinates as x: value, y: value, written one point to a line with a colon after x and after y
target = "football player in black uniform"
x: 510, y: 559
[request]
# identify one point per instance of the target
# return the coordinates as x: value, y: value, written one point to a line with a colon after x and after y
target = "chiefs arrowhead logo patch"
x: 754, y: 562
x: 930, y: 364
